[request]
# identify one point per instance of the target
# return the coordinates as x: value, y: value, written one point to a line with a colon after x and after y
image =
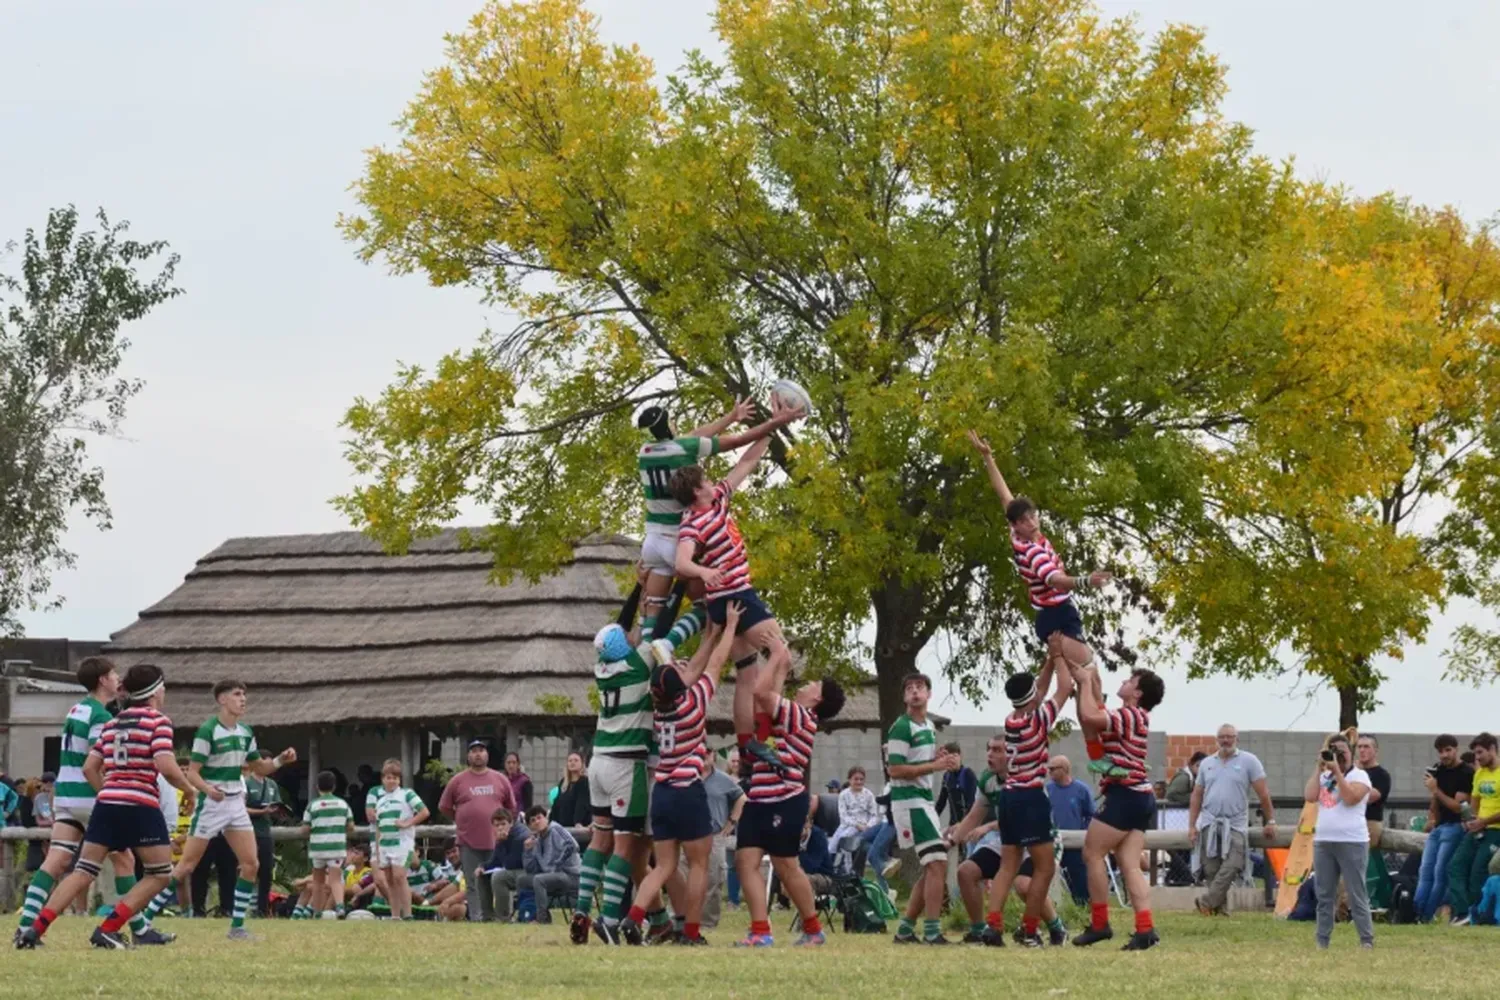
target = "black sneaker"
x: 152, y: 936
x: 630, y: 932
x: 1018, y: 935
x: 1032, y: 940
x: 691, y: 942
x: 578, y: 928
x: 1141, y: 940
x: 661, y: 934
x: 114, y: 940
x: 604, y: 932
x: 1057, y: 936
x: 759, y: 751
x: 904, y: 939
x: 27, y: 939
x: 1091, y: 935
x: 973, y: 937
x: 936, y: 940
x: 992, y: 938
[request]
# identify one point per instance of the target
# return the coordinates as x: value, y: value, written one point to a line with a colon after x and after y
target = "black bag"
x: 1403, y: 908
x: 1306, y: 907
x: 860, y: 913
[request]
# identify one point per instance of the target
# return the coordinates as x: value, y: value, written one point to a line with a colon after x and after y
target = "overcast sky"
x: 234, y: 130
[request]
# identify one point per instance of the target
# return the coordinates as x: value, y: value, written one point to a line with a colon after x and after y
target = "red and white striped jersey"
x: 682, y: 736
x: 1026, y: 743
x: 1037, y: 561
x: 1125, y: 744
x: 128, y: 745
x: 793, y: 728
x: 719, y: 543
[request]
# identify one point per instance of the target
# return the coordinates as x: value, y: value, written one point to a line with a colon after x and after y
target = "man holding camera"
x: 1341, y: 845
x: 1449, y: 781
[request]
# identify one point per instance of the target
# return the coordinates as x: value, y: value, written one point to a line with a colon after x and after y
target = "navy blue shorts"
x: 1025, y: 817
x: 680, y: 813
x: 1062, y: 618
x: 1127, y: 809
x: 755, y: 610
x: 987, y: 860
x: 774, y: 827
x: 122, y: 827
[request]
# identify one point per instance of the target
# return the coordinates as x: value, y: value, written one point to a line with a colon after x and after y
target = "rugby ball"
x: 790, y: 394
x: 359, y: 915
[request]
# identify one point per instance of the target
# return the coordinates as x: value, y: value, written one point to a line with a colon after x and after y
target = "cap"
x: 478, y: 743
x: 833, y: 785
x: 48, y: 776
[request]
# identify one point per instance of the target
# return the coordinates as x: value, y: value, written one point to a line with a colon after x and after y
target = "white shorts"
x: 326, y: 861
x: 397, y: 857
x: 621, y: 787
x: 917, y: 829
x: 659, y: 553
x: 75, y: 818
x: 212, y: 818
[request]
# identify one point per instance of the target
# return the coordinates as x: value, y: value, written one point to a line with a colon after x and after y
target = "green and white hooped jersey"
x: 80, y: 732
x: 223, y: 750
x: 656, y: 463
x: 390, y: 808
x: 626, y: 725
x: 328, y: 816
x: 911, y: 742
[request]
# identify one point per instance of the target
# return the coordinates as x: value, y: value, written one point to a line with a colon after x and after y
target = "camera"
x: 1432, y: 771
x: 1327, y: 756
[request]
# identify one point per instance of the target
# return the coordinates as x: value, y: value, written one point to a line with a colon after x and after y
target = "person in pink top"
x: 471, y: 798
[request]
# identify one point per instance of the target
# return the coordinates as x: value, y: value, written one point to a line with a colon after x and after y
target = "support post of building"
x: 313, y: 766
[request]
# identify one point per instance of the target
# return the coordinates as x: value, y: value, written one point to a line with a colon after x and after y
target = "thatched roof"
x: 330, y: 629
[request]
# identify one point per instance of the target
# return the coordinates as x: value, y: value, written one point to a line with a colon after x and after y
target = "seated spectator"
x: 359, y: 883
x: 447, y: 891
x: 570, y: 807
x: 552, y: 863
x: 508, y: 862
x: 816, y: 859
x: 859, y: 813
x: 1468, y: 869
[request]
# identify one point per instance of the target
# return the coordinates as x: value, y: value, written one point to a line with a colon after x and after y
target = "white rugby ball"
x: 790, y: 394
x: 360, y: 915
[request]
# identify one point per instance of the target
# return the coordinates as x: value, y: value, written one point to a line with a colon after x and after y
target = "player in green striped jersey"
x: 913, y: 758
x: 656, y: 462
x: 328, y: 821
x: 221, y: 747
x: 73, y: 800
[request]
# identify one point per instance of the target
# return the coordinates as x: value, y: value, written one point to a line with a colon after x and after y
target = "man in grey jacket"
x: 552, y: 862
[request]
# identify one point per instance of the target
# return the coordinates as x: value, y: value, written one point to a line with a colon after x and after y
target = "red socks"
x: 1095, y: 749
x: 118, y: 917
x: 741, y: 739
x: 760, y: 927
x: 812, y: 925
x: 1028, y: 925
x: 636, y: 914
x: 692, y: 931
x: 995, y: 920
x: 1100, y: 913
x: 1142, y: 921
x: 762, y: 726
x: 44, y: 920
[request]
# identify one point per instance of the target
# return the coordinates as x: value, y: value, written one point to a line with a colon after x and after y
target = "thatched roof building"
x: 328, y: 630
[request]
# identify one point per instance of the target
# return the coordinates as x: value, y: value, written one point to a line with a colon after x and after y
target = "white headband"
x: 1030, y: 694
x: 152, y: 689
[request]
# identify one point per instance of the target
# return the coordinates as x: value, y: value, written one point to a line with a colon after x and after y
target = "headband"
x: 151, y: 689
x: 1023, y: 699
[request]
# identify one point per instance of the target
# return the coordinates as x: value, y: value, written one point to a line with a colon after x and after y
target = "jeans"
x: 731, y: 878
x: 1348, y: 860
x: 1432, y: 883
x: 1076, y: 874
x: 881, y: 839
x: 1469, y: 868
x: 481, y: 900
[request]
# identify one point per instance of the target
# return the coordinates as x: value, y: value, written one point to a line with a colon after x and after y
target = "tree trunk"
x: 898, y: 608
x: 1348, y: 706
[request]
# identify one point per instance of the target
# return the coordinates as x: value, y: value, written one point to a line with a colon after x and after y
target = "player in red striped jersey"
x: 1058, y: 623
x: 680, y: 695
x: 779, y: 802
x: 710, y: 549
x: 132, y: 749
x: 1129, y: 804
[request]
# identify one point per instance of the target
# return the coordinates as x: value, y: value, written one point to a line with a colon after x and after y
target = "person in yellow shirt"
x: 1469, y: 867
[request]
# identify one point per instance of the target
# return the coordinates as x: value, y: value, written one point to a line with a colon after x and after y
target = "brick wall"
x: 1180, y: 750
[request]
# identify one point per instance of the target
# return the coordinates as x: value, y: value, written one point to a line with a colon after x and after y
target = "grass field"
x: 1241, y: 956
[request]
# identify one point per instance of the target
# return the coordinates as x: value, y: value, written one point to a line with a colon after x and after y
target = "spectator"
x: 1367, y: 749
x: 507, y: 863
x: 359, y: 792
x: 816, y: 859
x: 1180, y: 788
x: 885, y: 834
x: 959, y: 788
x: 731, y: 876
x: 571, y: 807
x: 1469, y: 867
x: 1072, y: 809
x: 552, y: 863
x: 42, y: 809
x: 262, y: 801
x: 10, y: 801
x: 471, y: 798
x: 1449, y: 782
x: 859, y: 813
x: 520, y: 781
x: 726, y: 800
x: 1341, y: 843
x: 1219, y: 816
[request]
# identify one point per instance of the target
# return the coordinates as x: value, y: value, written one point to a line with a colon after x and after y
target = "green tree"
x: 935, y: 214
x: 60, y: 351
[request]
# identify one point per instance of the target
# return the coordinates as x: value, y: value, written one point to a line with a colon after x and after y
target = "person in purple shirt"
x: 1072, y: 809
x: 520, y: 781
x: 471, y: 798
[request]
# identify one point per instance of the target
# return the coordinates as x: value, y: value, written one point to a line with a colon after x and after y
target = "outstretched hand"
x: 784, y: 414
x: 742, y: 411
x: 980, y: 444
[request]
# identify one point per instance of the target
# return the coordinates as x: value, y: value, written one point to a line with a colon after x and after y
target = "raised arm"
x: 747, y: 463
x: 780, y: 417
x: 738, y: 413
x: 1090, y: 711
x: 266, y: 765
x: 997, y: 481
x: 772, y: 682
x: 1065, y: 684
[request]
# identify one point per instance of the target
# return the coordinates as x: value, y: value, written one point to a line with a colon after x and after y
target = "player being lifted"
x: 619, y: 778
x: 912, y: 758
x: 133, y: 748
x: 1129, y: 804
x: 710, y: 549
x: 1058, y: 623
x: 656, y: 462
x: 74, y: 801
x: 222, y: 746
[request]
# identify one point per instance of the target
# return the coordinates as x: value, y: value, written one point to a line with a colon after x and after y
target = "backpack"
x: 1403, y: 903
x: 862, y: 913
x: 1306, y: 907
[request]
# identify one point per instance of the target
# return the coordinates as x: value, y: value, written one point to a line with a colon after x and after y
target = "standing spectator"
x: 520, y: 781
x: 959, y: 788
x: 1368, y: 751
x: 570, y: 807
x: 1341, y: 844
x: 1072, y: 809
x: 552, y: 863
x: 1449, y: 783
x: 1470, y: 865
x: 471, y: 798
x: 1219, y: 816
x: 10, y: 801
x: 1180, y: 788
x: 726, y: 800
x: 731, y: 875
x: 262, y: 800
x: 359, y: 793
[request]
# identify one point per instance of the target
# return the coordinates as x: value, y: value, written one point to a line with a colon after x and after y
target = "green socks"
x: 932, y: 929
x: 243, y: 892
x: 616, y: 885
x: 36, y: 897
